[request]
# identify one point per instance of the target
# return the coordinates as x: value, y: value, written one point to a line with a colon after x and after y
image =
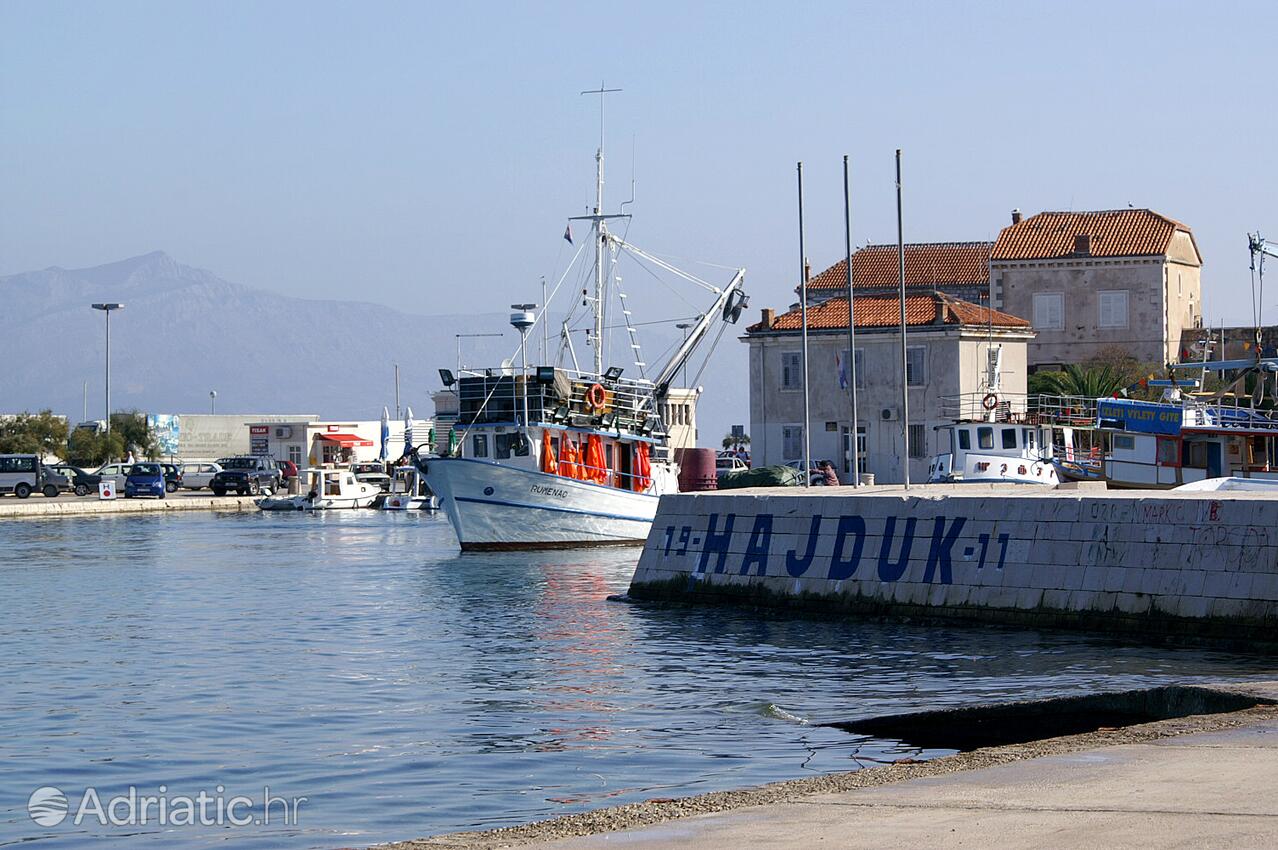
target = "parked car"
x: 83, y: 483
x: 815, y: 475
x: 145, y: 479
x: 288, y: 470
x: 172, y: 477
x: 246, y: 475
x: 196, y: 476
x: 372, y: 473
x: 113, y: 473
x: 728, y: 462
x: 53, y: 477
x: 23, y: 475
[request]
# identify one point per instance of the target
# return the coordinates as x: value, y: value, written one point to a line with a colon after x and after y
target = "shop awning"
x: 346, y: 441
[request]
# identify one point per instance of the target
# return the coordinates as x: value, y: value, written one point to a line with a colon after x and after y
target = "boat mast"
x: 601, y: 234
x: 601, y: 240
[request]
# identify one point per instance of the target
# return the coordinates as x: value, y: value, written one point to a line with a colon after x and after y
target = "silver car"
x: 114, y: 473
x: 196, y: 476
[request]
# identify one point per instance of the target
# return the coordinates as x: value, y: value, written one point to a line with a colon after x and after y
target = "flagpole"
x: 803, y: 300
x: 847, y: 238
x: 905, y: 374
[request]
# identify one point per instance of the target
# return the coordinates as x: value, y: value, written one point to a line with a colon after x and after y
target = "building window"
x: 1113, y: 308
x: 295, y: 454
x: 479, y: 446
x: 1049, y: 311
x: 791, y: 370
x: 918, y: 441
x: 858, y: 366
x: 916, y: 365
x: 792, y: 442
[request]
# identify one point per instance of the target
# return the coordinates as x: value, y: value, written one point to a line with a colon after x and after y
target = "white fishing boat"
x: 1016, y: 439
x: 551, y: 456
x: 330, y: 489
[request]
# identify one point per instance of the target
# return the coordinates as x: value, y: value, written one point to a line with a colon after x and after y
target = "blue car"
x: 145, y: 479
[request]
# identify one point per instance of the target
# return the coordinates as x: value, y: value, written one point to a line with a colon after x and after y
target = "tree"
x: 1086, y: 382
x: 131, y: 426
x: 89, y: 448
x: 734, y: 443
x: 34, y: 433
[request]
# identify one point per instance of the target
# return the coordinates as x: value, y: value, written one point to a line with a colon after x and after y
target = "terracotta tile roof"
x: 929, y: 264
x: 884, y: 311
x: 1112, y: 233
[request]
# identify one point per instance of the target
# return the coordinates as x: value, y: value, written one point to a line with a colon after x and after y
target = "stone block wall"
x: 1152, y: 563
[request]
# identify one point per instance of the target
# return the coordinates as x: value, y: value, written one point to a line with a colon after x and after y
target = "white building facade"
x: 948, y: 343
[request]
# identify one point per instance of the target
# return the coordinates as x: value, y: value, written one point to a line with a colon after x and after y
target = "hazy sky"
x: 427, y: 155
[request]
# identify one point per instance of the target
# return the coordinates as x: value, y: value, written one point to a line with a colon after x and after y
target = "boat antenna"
x: 601, y: 235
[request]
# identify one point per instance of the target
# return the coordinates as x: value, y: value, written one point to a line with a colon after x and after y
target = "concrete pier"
x: 1155, y: 562
x: 38, y: 507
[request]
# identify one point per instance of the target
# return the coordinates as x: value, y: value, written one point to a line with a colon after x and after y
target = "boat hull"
x: 496, y: 507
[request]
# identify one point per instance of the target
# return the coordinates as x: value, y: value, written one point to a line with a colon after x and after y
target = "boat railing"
x: 570, y: 398
x: 1021, y: 408
x: 1220, y: 415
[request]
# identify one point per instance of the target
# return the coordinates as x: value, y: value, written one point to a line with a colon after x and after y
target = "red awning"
x: 346, y: 441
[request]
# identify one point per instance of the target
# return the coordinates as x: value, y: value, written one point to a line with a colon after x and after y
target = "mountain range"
x: 184, y: 331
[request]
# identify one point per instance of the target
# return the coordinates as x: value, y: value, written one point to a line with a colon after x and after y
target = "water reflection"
x: 358, y: 659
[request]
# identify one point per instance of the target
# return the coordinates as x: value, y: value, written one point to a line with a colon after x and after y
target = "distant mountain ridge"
x: 184, y: 331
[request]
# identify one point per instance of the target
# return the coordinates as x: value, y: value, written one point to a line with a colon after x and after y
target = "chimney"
x: 1016, y: 216
x: 1083, y: 244
x: 942, y: 310
x: 769, y: 317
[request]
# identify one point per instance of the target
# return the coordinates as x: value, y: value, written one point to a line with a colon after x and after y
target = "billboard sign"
x: 167, y: 428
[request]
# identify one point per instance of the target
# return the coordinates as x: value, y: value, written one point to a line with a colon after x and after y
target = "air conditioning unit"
x: 284, y: 433
x: 889, y: 414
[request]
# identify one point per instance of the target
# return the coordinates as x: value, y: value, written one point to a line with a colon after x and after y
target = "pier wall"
x: 38, y: 507
x: 1153, y: 562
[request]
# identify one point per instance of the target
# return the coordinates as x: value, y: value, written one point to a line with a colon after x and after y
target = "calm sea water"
x: 358, y: 660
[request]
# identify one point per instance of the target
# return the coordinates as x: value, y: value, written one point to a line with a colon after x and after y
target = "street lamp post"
x: 212, y: 401
x: 107, y: 308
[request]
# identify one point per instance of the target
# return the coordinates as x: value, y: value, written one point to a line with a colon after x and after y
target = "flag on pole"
x: 568, y: 233
x: 840, y: 363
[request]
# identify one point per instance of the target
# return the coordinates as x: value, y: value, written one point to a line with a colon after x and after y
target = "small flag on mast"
x: 568, y: 233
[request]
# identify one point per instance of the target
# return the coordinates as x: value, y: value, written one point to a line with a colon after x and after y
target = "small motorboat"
x: 408, y: 492
x: 330, y: 489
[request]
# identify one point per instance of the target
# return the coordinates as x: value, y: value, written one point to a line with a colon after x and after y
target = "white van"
x: 22, y: 475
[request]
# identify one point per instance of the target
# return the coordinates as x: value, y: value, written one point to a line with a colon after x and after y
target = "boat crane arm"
x: 727, y: 307
x: 1259, y: 245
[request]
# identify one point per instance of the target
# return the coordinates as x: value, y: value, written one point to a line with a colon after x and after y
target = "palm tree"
x: 1085, y: 382
x: 732, y: 443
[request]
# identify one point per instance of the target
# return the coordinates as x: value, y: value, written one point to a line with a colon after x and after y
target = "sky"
x: 427, y: 155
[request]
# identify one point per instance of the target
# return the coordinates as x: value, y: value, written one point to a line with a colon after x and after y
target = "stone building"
x: 948, y: 343
x: 961, y: 269
x: 1089, y: 281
